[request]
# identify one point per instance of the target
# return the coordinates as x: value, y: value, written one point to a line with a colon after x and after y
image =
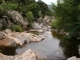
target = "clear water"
x: 53, y: 47
x: 49, y: 48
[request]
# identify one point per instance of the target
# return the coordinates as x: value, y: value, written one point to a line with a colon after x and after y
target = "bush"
x: 7, y: 6
x: 30, y: 17
x: 35, y: 8
x: 17, y: 28
x: 54, y: 24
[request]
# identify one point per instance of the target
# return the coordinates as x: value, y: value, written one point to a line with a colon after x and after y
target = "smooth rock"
x: 73, y: 58
x: 2, y: 35
x: 15, y: 39
x: 7, y: 31
x: 27, y: 55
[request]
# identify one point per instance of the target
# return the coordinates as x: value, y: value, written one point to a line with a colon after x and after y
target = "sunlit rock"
x: 73, y: 58
x: 27, y: 55
x: 15, y: 39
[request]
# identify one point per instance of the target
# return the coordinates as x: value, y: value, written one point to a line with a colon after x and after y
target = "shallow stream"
x: 50, y: 48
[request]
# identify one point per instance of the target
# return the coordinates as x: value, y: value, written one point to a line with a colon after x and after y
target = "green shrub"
x: 30, y: 17
x: 17, y: 28
x: 8, y: 6
x: 54, y: 24
x: 35, y: 8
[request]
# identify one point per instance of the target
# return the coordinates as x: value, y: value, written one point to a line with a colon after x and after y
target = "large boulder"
x: 42, y: 26
x: 27, y: 55
x: 2, y: 35
x: 42, y: 23
x: 5, y: 22
x: 17, y: 17
x: 73, y: 58
x: 47, y: 20
x: 7, y: 31
x: 15, y: 39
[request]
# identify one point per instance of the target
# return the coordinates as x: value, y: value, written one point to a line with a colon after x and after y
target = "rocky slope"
x: 42, y: 23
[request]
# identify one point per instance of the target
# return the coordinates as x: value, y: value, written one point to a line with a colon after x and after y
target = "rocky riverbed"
x: 29, y: 46
x: 10, y: 40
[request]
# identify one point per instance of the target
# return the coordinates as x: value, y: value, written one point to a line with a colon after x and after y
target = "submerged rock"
x: 2, y: 35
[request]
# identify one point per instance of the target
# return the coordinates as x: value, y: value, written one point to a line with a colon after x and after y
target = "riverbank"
x: 47, y: 48
x: 11, y: 40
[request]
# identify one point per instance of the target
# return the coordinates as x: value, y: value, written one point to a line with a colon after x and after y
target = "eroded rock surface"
x: 42, y: 24
x: 14, y: 39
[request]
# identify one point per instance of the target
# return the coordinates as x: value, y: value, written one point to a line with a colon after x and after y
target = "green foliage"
x: 0, y: 1
x: 35, y: 8
x: 8, y: 6
x: 68, y: 16
x: 54, y: 24
x: 4, y: 7
x: 17, y: 28
x: 30, y: 17
x: 28, y: 8
x: 44, y: 7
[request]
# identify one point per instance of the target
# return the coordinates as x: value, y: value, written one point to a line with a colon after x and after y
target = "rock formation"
x: 42, y: 23
x: 14, y: 39
x: 17, y: 17
x: 27, y: 55
x: 73, y: 58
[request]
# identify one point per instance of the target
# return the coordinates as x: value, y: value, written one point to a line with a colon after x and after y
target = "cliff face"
x: 17, y: 17
x: 12, y: 18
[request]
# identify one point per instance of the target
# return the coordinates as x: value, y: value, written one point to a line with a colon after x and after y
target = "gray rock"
x: 17, y: 17
x: 5, y: 22
x: 15, y: 39
x: 73, y: 58
x: 2, y: 35
x: 7, y: 31
x: 42, y: 24
x: 27, y: 55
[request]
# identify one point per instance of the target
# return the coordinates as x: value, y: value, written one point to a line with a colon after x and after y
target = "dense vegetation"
x: 68, y: 18
x: 24, y: 6
x: 30, y: 9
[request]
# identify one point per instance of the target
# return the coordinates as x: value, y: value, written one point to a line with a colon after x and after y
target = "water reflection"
x: 70, y: 46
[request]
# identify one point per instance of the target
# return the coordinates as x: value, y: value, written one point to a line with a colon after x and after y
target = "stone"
x: 16, y: 39
x: 42, y: 24
x: 17, y: 17
x: 2, y: 35
x: 35, y: 38
x: 7, y: 31
x: 5, y: 22
x: 73, y: 58
x: 27, y: 55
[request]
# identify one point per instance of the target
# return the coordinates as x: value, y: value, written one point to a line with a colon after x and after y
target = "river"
x: 50, y: 48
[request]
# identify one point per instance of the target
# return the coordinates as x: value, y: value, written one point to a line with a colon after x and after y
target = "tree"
x: 30, y: 17
x: 44, y: 7
x: 35, y: 8
x: 68, y: 17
